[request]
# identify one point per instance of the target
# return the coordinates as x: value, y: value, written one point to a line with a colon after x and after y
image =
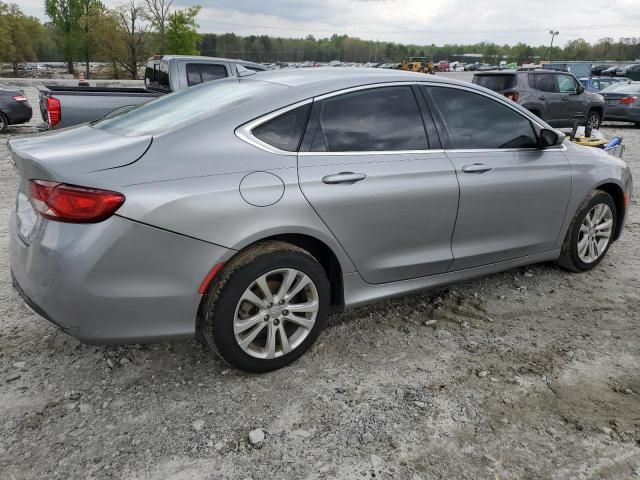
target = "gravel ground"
x: 528, y: 374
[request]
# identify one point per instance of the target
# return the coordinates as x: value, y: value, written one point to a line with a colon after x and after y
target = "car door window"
x: 378, y: 119
x: 546, y: 82
x: 567, y: 84
x: 474, y: 121
x: 212, y: 72
x: 285, y: 131
x: 204, y: 72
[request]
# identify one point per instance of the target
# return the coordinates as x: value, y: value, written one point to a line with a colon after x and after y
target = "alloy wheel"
x: 276, y: 313
x: 594, y: 120
x: 595, y: 233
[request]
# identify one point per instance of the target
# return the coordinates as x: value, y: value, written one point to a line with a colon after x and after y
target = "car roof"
x: 325, y: 76
x: 209, y: 59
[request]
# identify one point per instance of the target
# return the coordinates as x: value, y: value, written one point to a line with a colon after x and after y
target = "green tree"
x: 65, y: 16
x: 18, y: 36
x: 182, y: 32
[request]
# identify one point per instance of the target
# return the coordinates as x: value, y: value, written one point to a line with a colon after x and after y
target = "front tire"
x: 594, y: 119
x: 266, y: 307
x: 590, y: 234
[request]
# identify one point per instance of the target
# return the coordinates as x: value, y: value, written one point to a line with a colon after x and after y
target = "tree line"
x: 84, y: 31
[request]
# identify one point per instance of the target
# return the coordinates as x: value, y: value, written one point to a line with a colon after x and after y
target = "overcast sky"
x: 414, y: 21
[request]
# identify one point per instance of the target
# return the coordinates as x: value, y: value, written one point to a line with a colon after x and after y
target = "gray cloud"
x: 415, y: 21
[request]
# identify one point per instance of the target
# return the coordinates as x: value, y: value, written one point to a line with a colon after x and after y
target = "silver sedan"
x: 244, y: 210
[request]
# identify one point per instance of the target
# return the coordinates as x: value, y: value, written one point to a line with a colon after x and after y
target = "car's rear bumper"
x: 117, y: 281
x: 622, y: 114
x: 20, y: 112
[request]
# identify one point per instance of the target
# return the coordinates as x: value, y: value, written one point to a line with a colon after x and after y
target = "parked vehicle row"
x: 271, y: 198
x: 556, y: 97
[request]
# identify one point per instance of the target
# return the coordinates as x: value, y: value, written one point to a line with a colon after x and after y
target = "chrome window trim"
x: 244, y: 132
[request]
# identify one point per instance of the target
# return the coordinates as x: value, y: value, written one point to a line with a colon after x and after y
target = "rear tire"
x: 594, y: 119
x: 276, y: 328
x: 590, y: 234
x: 4, y: 122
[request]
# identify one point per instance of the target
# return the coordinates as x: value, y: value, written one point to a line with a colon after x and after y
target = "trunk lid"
x: 66, y: 154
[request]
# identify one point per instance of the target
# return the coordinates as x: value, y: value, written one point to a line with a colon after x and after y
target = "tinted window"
x: 285, y: 131
x: 566, y: 84
x: 212, y: 72
x: 496, y: 82
x: 475, y: 121
x: 380, y: 119
x: 188, y: 106
x: 193, y: 74
x: 203, y: 72
x: 163, y: 76
x: 546, y: 82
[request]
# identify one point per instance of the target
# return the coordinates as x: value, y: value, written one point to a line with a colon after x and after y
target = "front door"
x: 513, y: 196
x: 370, y: 175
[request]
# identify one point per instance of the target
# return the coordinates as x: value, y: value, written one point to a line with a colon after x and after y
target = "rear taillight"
x: 53, y: 109
x: 512, y: 96
x: 70, y: 203
x: 628, y: 100
x: 19, y: 98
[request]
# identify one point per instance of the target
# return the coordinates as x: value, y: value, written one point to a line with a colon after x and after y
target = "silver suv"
x: 556, y: 97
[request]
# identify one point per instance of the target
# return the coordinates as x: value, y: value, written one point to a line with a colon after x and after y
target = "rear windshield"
x: 176, y: 109
x: 623, y: 88
x: 496, y: 83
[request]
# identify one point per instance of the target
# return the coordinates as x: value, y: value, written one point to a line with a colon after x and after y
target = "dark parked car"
x: 622, y: 102
x: 598, y: 69
x: 14, y: 108
x: 556, y: 97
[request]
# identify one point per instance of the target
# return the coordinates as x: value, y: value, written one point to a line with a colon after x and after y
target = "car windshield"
x: 177, y: 109
x: 619, y: 87
x: 496, y: 83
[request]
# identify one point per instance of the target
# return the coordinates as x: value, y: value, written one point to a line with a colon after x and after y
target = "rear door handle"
x: 343, y: 177
x: 542, y: 97
x: 477, y: 168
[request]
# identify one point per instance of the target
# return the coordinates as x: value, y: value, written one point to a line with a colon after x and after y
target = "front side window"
x: 567, y: 84
x: 474, y: 121
x: 379, y: 119
x: 285, y: 131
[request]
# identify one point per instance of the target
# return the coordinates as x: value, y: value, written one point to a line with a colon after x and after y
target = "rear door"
x: 549, y: 97
x: 388, y: 194
x: 513, y: 196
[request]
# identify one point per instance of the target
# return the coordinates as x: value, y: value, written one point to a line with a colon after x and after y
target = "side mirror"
x: 580, y: 89
x: 550, y: 138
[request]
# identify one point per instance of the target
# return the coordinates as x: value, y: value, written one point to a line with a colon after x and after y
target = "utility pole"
x: 554, y: 34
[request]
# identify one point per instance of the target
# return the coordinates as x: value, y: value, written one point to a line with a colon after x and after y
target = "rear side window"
x: 285, y: 131
x: 546, y: 82
x: 203, y: 72
x: 497, y: 83
x: 475, y: 121
x: 379, y: 119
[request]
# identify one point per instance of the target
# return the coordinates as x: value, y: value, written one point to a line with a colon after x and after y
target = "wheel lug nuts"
x: 285, y: 312
x: 281, y: 302
x: 266, y: 318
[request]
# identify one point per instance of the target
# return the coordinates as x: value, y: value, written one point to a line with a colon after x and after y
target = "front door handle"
x: 477, y: 168
x: 542, y: 97
x: 343, y: 177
